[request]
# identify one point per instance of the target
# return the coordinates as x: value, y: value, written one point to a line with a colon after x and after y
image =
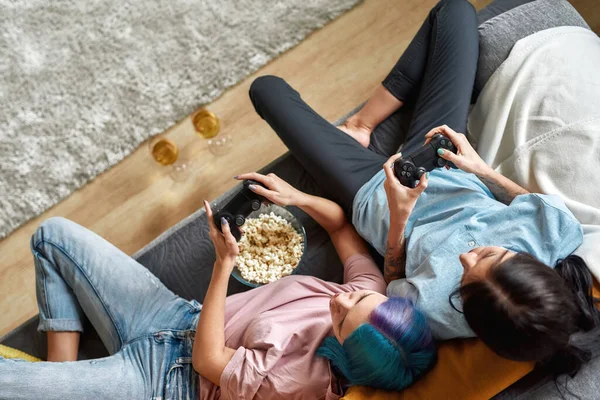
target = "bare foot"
x: 360, y: 133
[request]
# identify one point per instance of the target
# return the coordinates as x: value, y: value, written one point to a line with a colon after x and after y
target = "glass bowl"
x: 288, y: 216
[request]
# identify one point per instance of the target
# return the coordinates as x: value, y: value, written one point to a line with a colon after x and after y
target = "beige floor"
x: 335, y: 69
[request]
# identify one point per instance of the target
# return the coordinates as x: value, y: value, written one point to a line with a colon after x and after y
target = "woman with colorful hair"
x: 299, y: 337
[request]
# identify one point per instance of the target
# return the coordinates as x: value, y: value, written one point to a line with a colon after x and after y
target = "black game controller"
x: 239, y: 207
x: 410, y: 169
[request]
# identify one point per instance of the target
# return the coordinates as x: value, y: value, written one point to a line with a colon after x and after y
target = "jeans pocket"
x: 174, y: 383
x: 181, y: 382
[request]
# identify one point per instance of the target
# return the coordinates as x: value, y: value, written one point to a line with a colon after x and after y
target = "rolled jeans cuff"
x: 60, y: 325
x: 398, y: 85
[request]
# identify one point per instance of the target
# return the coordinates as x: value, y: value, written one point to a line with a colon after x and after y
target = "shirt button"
x: 471, y: 243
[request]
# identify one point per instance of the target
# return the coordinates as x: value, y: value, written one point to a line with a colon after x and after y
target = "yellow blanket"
x: 466, y: 370
x: 9, y: 352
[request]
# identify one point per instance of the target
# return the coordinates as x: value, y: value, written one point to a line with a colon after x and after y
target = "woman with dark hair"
x: 527, y: 311
x: 472, y: 229
x: 276, y: 341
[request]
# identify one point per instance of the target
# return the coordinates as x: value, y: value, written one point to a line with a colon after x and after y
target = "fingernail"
x: 223, y: 221
x: 427, y: 175
x: 236, y: 177
x: 251, y: 187
x: 440, y: 151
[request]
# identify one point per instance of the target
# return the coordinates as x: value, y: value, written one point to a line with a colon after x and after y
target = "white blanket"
x: 537, y: 121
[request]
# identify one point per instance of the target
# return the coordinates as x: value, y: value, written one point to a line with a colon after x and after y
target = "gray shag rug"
x: 83, y: 83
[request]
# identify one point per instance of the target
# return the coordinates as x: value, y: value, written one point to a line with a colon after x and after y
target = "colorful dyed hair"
x: 391, y: 352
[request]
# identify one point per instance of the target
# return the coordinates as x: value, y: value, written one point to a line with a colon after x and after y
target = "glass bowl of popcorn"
x: 272, y: 246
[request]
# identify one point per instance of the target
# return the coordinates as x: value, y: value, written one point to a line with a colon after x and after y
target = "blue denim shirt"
x: 455, y: 214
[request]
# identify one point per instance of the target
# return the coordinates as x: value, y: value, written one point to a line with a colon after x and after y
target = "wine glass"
x: 207, y: 126
x: 166, y: 153
x: 220, y: 145
x: 206, y: 123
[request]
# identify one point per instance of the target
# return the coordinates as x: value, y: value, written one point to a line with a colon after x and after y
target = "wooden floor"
x: 335, y: 69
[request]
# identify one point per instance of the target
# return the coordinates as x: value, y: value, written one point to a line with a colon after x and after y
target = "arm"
x: 210, y: 355
x: 327, y: 213
x: 467, y: 159
x: 331, y: 217
x: 501, y: 187
x: 401, y: 201
x: 394, y: 265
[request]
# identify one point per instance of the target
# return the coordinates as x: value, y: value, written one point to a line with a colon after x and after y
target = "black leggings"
x: 435, y: 74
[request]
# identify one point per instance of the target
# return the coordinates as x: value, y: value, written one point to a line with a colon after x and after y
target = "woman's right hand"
x: 466, y: 158
x: 226, y: 248
x: 278, y: 191
x: 401, y: 199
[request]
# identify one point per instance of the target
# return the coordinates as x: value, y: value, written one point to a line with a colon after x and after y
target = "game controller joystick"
x: 410, y: 169
x: 239, y: 207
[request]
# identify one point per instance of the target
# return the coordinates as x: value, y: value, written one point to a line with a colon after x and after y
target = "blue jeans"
x: 147, y: 329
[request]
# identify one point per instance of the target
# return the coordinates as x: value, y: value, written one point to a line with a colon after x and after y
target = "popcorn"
x: 269, y: 249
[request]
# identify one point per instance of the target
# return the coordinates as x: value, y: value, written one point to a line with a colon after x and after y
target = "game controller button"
x: 405, y: 167
x: 443, y: 142
x: 441, y: 162
x: 403, y: 173
x: 240, y: 220
x: 255, y: 205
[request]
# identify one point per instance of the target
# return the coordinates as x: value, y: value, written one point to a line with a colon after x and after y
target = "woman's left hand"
x: 465, y: 158
x: 225, y: 244
x: 276, y: 189
x: 401, y: 199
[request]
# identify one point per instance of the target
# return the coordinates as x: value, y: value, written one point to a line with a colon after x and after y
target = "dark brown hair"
x: 526, y: 311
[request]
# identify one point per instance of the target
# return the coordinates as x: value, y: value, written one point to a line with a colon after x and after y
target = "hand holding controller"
x: 239, y: 207
x: 464, y: 157
x: 410, y: 169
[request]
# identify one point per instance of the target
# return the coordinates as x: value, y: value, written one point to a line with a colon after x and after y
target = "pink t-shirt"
x: 277, y: 329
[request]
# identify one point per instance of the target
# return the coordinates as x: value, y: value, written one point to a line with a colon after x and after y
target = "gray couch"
x: 183, y: 256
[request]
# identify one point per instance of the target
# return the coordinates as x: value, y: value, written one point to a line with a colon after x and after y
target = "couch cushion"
x: 497, y: 35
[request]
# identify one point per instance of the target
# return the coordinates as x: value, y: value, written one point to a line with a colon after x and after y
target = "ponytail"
x: 578, y: 278
x: 585, y: 342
